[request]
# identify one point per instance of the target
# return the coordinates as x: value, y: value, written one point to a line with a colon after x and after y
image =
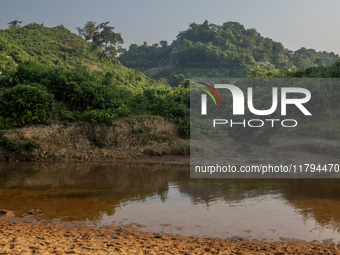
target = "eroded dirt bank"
x: 127, y: 139
x: 17, y: 237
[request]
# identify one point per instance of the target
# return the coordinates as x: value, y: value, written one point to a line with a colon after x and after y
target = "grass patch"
x: 140, y: 116
x: 157, y: 137
x: 24, y: 145
x: 144, y: 116
x: 181, y: 146
x: 161, y: 136
x: 142, y: 130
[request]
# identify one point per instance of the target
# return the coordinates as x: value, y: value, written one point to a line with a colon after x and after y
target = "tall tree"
x: 107, y: 40
x: 163, y: 43
x: 14, y: 23
x: 88, y: 30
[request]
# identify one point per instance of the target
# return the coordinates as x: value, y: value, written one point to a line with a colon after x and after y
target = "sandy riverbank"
x: 18, y: 237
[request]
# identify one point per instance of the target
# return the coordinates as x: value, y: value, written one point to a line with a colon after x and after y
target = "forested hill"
x: 51, y: 74
x: 229, y: 45
x: 59, y: 47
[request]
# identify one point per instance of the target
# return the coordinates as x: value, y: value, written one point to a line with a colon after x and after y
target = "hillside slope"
x: 212, y: 50
x: 59, y: 47
x: 51, y: 74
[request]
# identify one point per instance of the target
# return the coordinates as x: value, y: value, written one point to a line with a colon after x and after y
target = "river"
x: 162, y: 197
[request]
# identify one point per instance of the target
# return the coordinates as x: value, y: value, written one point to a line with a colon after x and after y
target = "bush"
x: 36, y: 93
x: 22, y: 105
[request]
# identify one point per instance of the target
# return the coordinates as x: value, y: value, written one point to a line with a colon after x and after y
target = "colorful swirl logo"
x: 208, y: 92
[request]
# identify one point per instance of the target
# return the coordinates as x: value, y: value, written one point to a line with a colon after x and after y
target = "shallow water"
x: 164, y: 198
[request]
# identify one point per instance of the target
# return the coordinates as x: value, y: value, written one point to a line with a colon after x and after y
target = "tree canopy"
x: 107, y: 40
x: 88, y: 30
x: 14, y: 24
x: 228, y: 45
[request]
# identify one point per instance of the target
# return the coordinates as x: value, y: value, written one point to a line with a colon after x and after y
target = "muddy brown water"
x: 158, y: 197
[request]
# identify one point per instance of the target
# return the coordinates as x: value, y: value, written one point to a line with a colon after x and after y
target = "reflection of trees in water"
x: 314, y: 199
x: 87, y: 190
x: 82, y: 191
x: 230, y: 190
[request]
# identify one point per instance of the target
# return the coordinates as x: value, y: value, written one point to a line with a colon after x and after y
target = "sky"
x: 295, y: 23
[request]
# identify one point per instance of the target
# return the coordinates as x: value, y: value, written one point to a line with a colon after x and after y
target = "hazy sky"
x: 294, y: 23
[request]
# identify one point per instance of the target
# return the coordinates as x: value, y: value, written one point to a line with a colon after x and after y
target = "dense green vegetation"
x: 227, y: 50
x: 331, y: 71
x: 52, y: 74
x: 45, y: 76
x: 36, y: 93
x: 53, y: 46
